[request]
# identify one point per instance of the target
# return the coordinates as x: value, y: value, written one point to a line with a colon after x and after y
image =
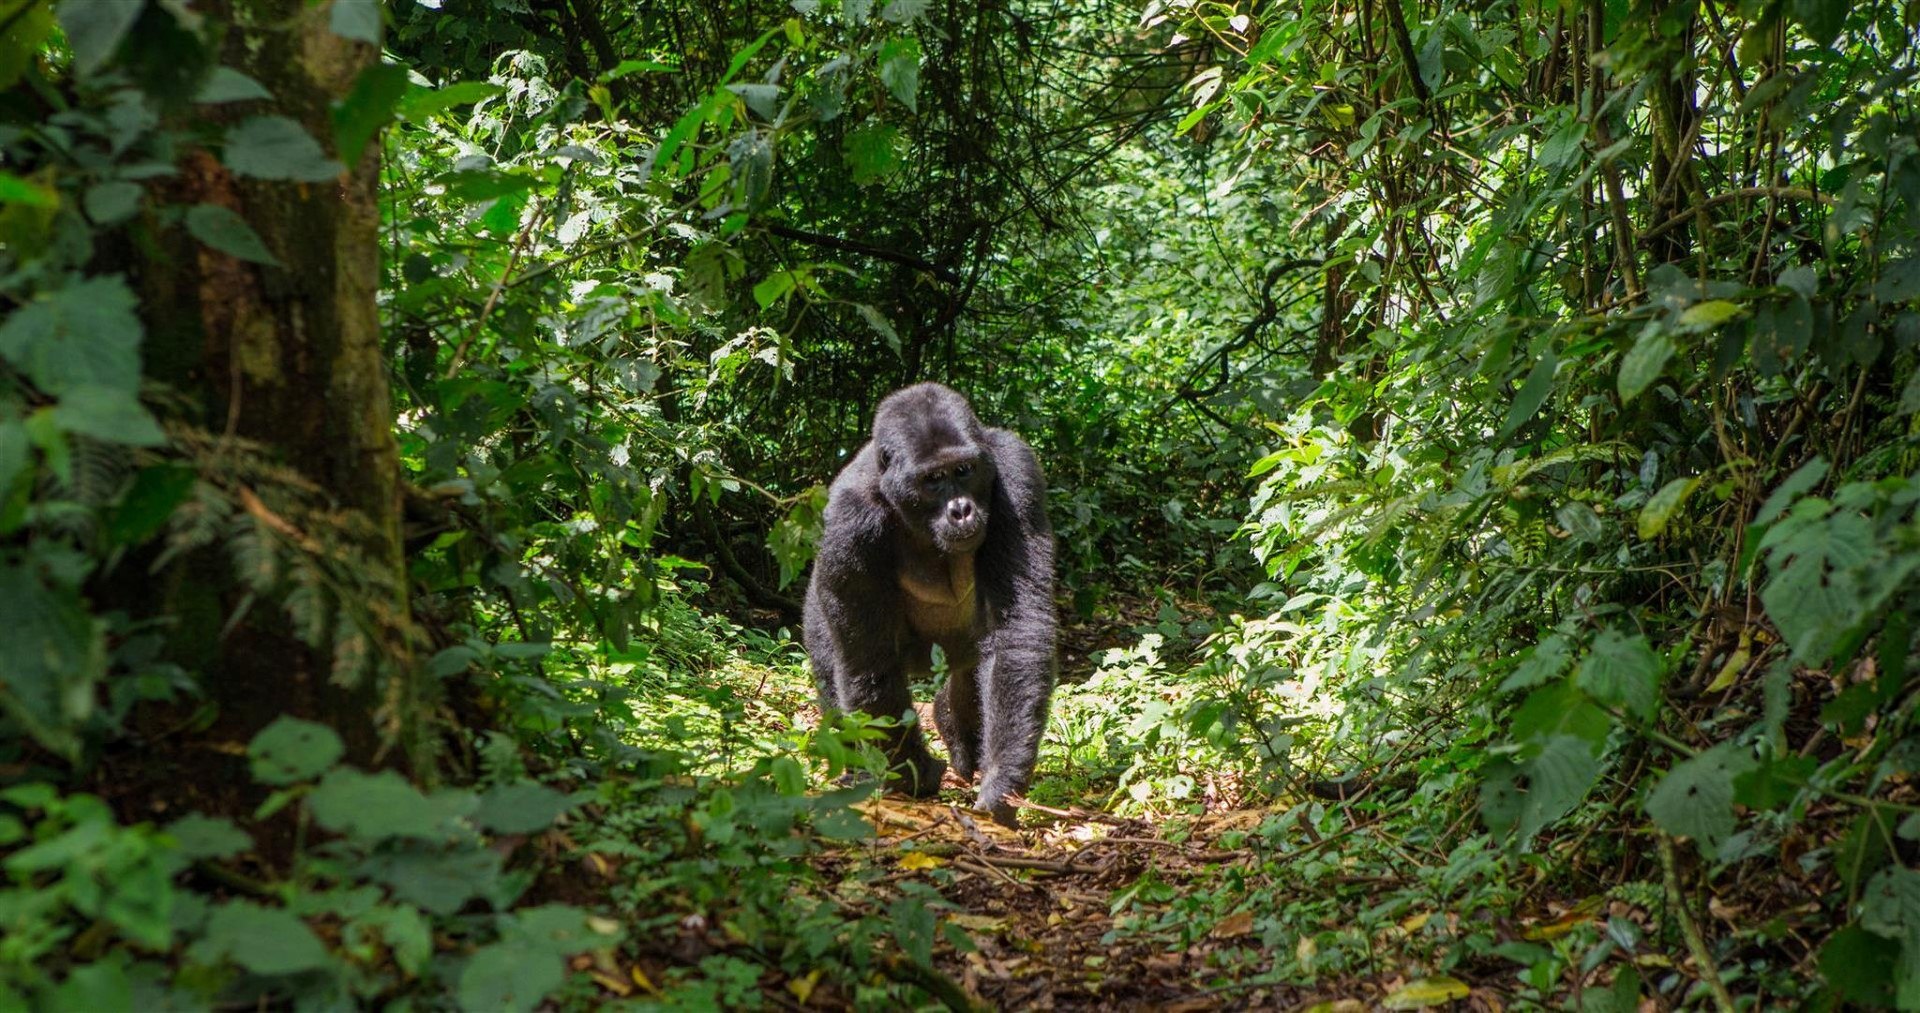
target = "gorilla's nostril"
x: 960, y: 511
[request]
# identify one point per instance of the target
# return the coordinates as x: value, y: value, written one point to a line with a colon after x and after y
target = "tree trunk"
x: 284, y: 365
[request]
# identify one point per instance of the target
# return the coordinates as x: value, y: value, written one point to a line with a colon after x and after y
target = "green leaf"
x: 773, y: 289
x: 206, y: 837
x: 521, y: 808
x: 838, y: 823
x: 1661, y: 506
x: 382, y: 805
x: 15, y: 190
x: 871, y: 151
x: 900, y: 70
x: 1890, y: 908
x: 1695, y: 799
x: 913, y: 927
x: 1643, y: 362
x: 229, y: 233
x: 1822, y: 19
x: 1803, y: 479
x: 1858, y: 967
x: 1711, y: 313
x: 1622, y: 671
x: 368, y: 107
x: 403, y: 930
x: 881, y: 326
x: 1544, y: 661
x: 85, y: 333
x: 1533, y: 393
x: 263, y: 940
x: 1422, y: 993
x: 112, y: 202
x: 902, y: 12
x: 421, y: 103
x: 358, y: 20
x: 277, y: 148
x: 109, y: 414
x: 95, y: 28
x: 291, y: 750
x: 55, y: 655
x: 439, y: 881
x: 226, y: 84
x: 147, y: 504
x: 509, y: 976
x: 14, y: 453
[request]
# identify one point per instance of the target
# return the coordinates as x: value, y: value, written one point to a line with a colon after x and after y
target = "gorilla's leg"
x: 956, y: 712
x: 912, y: 768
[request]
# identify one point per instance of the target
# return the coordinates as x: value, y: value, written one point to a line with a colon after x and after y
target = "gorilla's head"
x: 935, y: 469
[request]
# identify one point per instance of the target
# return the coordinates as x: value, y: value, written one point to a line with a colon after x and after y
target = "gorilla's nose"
x: 960, y: 511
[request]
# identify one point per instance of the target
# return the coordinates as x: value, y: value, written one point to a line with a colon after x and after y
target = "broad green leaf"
x: 1858, y: 967
x: 226, y: 84
x: 263, y: 940
x: 1822, y: 19
x: 1533, y: 393
x: 871, y: 151
x: 55, y: 656
x: 403, y: 930
x: 913, y: 928
x: 229, y: 233
x: 1695, y: 799
x: 144, y: 508
x: 773, y: 288
x: 560, y: 929
x: 367, y: 108
x: 1559, y: 709
x: 206, y: 837
x: 1711, y: 313
x: 900, y: 70
x: 1803, y: 479
x: 1890, y: 908
x: 381, y: 805
x: 95, y: 28
x: 838, y: 823
x: 1544, y: 661
x: 881, y: 326
x: 1565, y: 144
x: 1643, y: 362
x: 108, y: 414
x: 902, y: 12
x: 83, y: 334
x: 421, y: 103
x: 435, y: 879
x: 277, y: 148
x: 1581, y: 522
x: 520, y: 808
x: 1422, y: 993
x: 509, y: 976
x: 1661, y: 506
x: 291, y: 750
x: 1622, y: 671
x: 112, y: 202
x: 16, y: 190
x: 356, y: 19
x: 14, y: 453
x: 1782, y: 331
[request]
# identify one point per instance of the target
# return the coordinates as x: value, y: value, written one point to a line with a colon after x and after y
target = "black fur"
x: 937, y: 533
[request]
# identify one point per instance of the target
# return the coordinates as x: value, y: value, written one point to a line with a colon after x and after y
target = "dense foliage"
x: 1481, y: 439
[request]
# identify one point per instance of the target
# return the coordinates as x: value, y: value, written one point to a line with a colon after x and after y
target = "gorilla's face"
x: 935, y: 471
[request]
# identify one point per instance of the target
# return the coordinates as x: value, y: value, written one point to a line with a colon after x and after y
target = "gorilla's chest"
x: 940, y: 599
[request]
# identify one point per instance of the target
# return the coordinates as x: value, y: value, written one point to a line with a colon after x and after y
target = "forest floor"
x: 1083, y: 908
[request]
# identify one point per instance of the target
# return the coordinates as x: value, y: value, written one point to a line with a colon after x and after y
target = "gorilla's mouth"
x: 962, y: 536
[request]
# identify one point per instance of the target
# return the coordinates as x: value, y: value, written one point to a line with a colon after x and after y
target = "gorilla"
x: 937, y: 533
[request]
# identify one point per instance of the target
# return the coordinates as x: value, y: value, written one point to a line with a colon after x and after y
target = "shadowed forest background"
x: 1481, y: 440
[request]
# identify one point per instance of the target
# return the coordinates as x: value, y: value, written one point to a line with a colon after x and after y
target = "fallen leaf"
x: 1424, y: 992
x: 611, y: 983
x: 802, y: 987
x: 917, y: 861
x: 1237, y: 924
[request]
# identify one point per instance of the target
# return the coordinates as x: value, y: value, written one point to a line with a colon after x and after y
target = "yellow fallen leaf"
x: 918, y: 861
x: 1574, y: 917
x: 611, y: 983
x: 640, y: 978
x: 1414, y: 923
x: 1425, y: 992
x: 603, y: 925
x: 802, y: 987
x: 1736, y: 663
x: 1305, y: 950
x: 978, y: 923
x: 1239, y: 923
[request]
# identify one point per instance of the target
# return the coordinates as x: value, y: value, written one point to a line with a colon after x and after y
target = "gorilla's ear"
x: 886, y: 458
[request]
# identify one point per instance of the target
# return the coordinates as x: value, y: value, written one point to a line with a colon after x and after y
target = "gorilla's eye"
x: 962, y: 471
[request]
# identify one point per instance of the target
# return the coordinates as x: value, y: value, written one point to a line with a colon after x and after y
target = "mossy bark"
x: 285, y: 362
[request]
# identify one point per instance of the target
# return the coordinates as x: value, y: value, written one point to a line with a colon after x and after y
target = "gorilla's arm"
x: 854, y: 621
x: 1016, y: 564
